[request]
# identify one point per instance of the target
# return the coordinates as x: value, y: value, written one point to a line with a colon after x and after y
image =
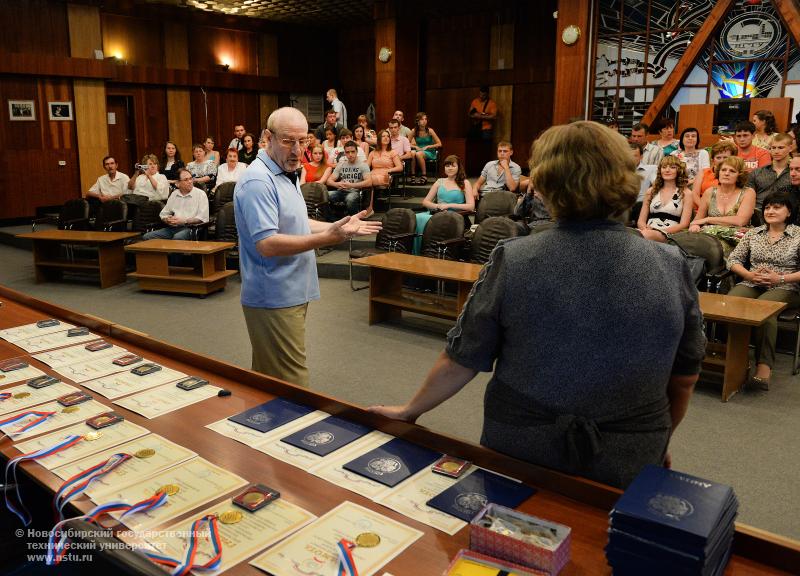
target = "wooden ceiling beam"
x: 790, y: 13
x: 687, y: 61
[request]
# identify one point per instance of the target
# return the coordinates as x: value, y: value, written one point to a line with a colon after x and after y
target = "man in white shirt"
x: 339, y: 107
x: 187, y: 205
x: 646, y: 172
x: 500, y: 174
x: 238, y: 135
x: 346, y: 136
x: 399, y: 116
x: 111, y: 185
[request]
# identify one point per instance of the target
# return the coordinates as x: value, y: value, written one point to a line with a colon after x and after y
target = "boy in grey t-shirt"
x: 349, y: 176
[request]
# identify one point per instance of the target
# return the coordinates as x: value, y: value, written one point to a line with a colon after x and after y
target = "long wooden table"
x: 387, y: 298
x: 207, y: 275
x: 573, y: 501
x: 51, y: 264
x: 739, y: 315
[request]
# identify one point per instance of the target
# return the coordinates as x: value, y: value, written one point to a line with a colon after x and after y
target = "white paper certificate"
x: 165, y: 454
x: 253, y: 438
x: 54, y: 340
x: 256, y: 531
x: 331, y: 469
x: 124, y: 383
x: 97, y: 368
x: 57, y: 420
x: 165, y: 399
x: 31, y: 330
x: 76, y: 354
x: 23, y: 396
x: 410, y: 496
x: 198, y: 481
x: 19, y: 375
x: 312, y: 550
x: 109, y: 437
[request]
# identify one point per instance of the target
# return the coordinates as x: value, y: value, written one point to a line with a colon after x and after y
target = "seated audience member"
x: 359, y: 137
x: 384, y: 161
x: 149, y: 182
x: 794, y: 133
x: 500, y: 174
x: 767, y: 260
x: 726, y: 208
x: 249, y: 150
x: 317, y: 170
x: 171, y: 162
x: 369, y: 133
x: 611, y: 414
x: 186, y: 205
x: 650, y: 150
x: 753, y: 156
x: 451, y: 193
x: 646, y: 172
x: 238, y: 135
x: 766, y: 128
x: 690, y: 153
x: 400, y: 143
x: 346, y: 136
x: 664, y: 146
x: 350, y: 176
x: 211, y: 154
x: 312, y: 142
x: 773, y: 176
x: 613, y: 124
x: 707, y: 178
x: 400, y: 117
x: 231, y: 170
x: 667, y: 205
x: 424, y: 144
x: 329, y: 147
x: 330, y: 123
x: 111, y: 185
x: 203, y: 170
x: 262, y: 141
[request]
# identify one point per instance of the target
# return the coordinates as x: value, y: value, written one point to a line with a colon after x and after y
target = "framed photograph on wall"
x: 21, y: 110
x: 60, y: 110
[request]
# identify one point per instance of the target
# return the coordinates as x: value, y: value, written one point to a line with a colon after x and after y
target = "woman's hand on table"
x: 393, y: 412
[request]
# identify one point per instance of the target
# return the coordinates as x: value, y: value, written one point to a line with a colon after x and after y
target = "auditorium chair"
x: 222, y: 196
x: 488, y: 234
x: 111, y: 217
x: 133, y: 201
x: 443, y: 236
x: 789, y: 320
x: 497, y: 203
x: 397, y: 235
x: 315, y: 195
x: 147, y: 217
x: 74, y: 215
x: 225, y: 231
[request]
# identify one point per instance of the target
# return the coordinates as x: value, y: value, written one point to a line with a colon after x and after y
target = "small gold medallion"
x: 450, y: 466
x: 71, y: 409
x: 169, y: 489
x: 92, y: 436
x: 231, y: 517
x: 367, y: 540
x: 253, y: 498
x: 21, y: 395
x: 145, y: 453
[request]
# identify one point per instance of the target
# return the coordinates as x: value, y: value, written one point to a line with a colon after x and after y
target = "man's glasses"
x: 291, y: 142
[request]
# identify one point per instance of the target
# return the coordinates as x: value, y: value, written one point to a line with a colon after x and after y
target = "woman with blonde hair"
x: 667, y: 204
x: 577, y: 289
x: 148, y: 181
x: 708, y: 178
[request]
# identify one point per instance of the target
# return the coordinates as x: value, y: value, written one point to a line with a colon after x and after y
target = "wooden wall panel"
x: 92, y: 129
x: 501, y: 52
x: 85, y: 34
x: 138, y: 41
x: 356, y: 87
x: 571, y: 63
x: 535, y: 42
x: 268, y: 55
x: 24, y: 135
x: 267, y: 104
x: 211, y: 46
x: 385, y: 72
x: 180, y: 117
x: 225, y: 110
x: 150, y: 118
x: 780, y: 107
x: 56, y: 134
x: 447, y: 110
x: 176, y: 45
x: 533, y: 106
x: 34, y: 26
x: 458, y: 44
x: 504, y: 96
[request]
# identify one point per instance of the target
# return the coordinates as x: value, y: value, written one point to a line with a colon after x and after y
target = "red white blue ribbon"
x: 40, y: 417
x: 77, y: 484
x: 188, y: 565
x: 347, y: 565
x: 58, y: 542
x: 22, y: 512
x: 5, y: 396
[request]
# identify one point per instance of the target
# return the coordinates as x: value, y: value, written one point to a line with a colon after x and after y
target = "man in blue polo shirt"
x: 276, y: 249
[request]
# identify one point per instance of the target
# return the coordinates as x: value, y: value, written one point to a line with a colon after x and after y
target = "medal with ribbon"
x: 183, y: 568
x: 58, y: 541
x: 77, y: 484
x: 5, y: 396
x: 22, y: 512
x: 40, y: 417
x: 347, y: 565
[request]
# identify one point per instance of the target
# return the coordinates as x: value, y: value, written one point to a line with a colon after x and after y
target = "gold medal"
x: 145, y: 453
x: 231, y: 517
x: 253, y: 498
x: 71, y: 409
x: 450, y: 466
x: 367, y: 540
x: 169, y: 489
x: 21, y: 395
x: 92, y: 436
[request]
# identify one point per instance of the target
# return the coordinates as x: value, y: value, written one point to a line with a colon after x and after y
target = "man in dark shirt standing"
x: 774, y: 176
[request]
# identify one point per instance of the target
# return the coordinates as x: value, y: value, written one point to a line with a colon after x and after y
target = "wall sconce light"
x: 221, y: 67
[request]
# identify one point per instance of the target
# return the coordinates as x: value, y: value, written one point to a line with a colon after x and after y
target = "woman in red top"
x: 706, y: 179
x: 316, y: 170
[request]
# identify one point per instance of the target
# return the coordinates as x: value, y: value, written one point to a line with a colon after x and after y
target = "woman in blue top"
x: 451, y: 193
x: 425, y: 144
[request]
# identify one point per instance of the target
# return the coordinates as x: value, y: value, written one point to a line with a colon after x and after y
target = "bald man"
x: 276, y: 248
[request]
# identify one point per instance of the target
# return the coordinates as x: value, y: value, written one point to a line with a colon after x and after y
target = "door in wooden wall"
x: 121, y: 133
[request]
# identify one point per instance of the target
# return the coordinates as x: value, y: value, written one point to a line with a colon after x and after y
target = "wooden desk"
x: 387, y: 299
x: 739, y: 314
x: 51, y: 264
x: 206, y: 276
x: 573, y: 501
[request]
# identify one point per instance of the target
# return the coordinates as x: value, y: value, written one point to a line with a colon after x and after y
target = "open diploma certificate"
x: 54, y: 340
x: 23, y: 396
x: 165, y: 399
x: 312, y: 550
x: 255, y: 532
x: 76, y: 354
x: 124, y: 383
x: 19, y: 375
x: 198, y: 482
x: 58, y: 420
x: 31, y: 330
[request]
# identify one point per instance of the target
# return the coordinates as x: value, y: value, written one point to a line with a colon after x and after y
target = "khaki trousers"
x: 278, y: 336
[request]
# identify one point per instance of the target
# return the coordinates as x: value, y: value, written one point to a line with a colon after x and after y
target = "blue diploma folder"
x: 271, y: 415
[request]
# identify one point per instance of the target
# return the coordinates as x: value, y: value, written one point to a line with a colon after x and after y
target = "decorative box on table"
x: 528, y: 540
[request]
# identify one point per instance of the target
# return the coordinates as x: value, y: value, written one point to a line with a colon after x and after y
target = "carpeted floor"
x: 749, y: 442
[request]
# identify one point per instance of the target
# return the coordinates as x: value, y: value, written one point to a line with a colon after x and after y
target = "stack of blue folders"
x: 670, y: 523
